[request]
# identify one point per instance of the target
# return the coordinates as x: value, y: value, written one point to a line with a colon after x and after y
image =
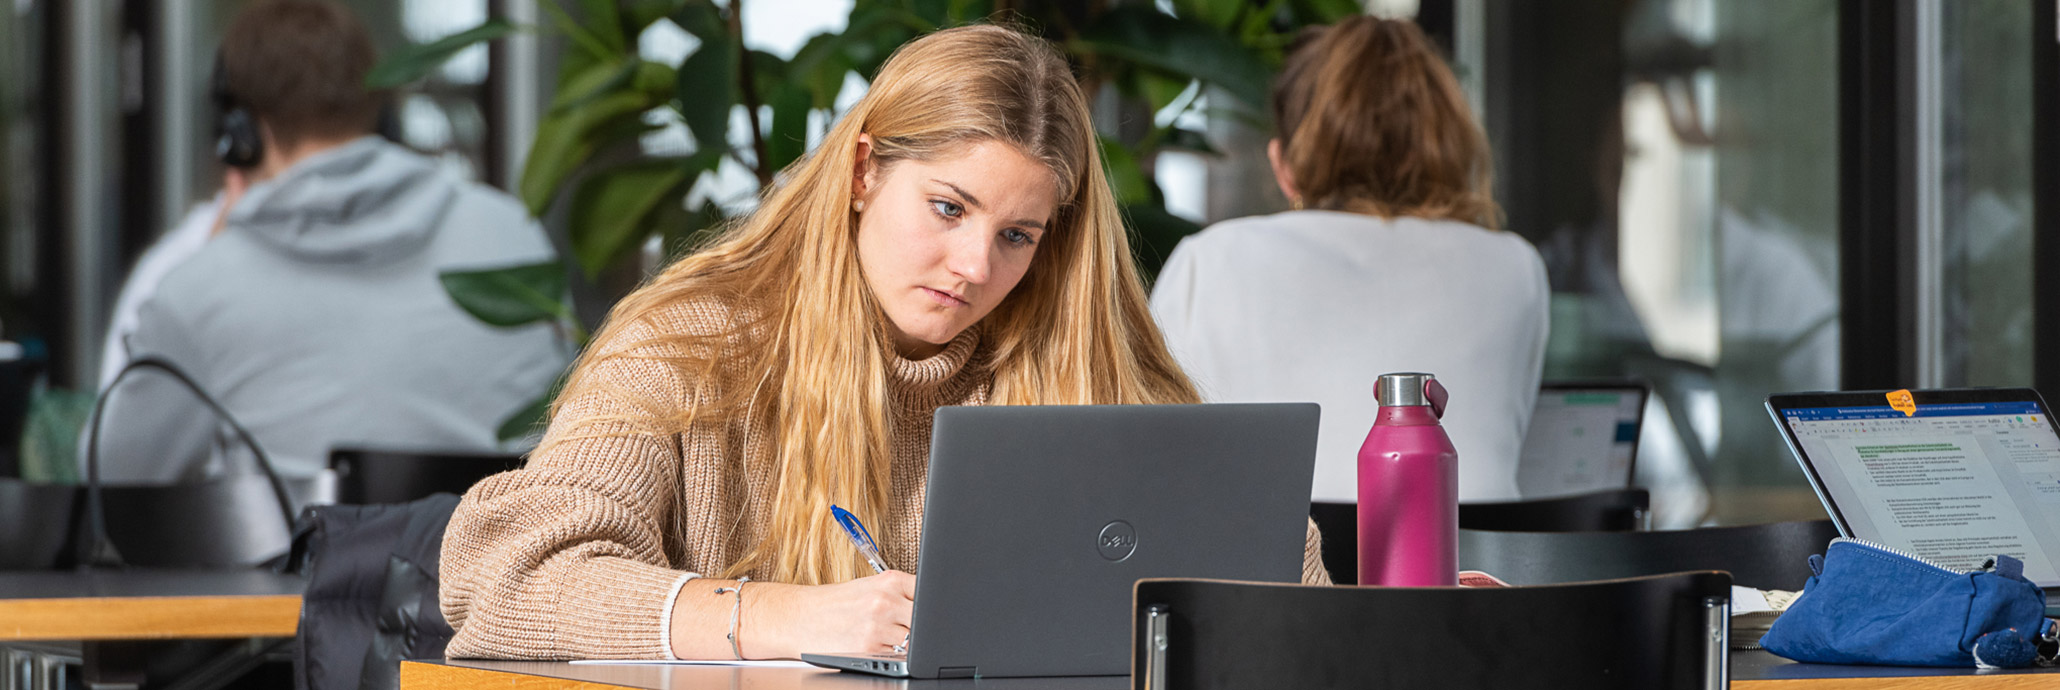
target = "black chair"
x: 35, y: 524
x: 384, y: 476
x: 1769, y: 556
x: 1614, y: 510
x: 227, y: 522
x: 1654, y: 632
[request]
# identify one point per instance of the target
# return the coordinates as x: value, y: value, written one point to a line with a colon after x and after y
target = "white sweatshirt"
x: 1315, y: 305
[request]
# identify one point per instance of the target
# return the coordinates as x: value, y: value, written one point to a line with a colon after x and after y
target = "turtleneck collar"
x: 923, y: 381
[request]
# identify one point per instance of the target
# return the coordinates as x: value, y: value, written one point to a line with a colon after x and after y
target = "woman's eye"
x: 947, y: 209
x: 1018, y: 237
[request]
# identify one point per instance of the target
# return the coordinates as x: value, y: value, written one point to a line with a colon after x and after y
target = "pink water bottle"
x: 1408, y: 488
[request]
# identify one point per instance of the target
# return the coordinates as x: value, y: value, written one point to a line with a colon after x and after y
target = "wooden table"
x: 1749, y: 671
x: 119, y: 620
x: 148, y: 605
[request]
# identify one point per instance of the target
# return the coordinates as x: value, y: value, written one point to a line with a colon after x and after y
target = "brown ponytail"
x: 1370, y: 120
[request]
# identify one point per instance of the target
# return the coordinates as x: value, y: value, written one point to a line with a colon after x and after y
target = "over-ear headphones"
x: 237, y: 142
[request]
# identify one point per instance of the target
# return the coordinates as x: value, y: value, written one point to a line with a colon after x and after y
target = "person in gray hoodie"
x: 315, y: 315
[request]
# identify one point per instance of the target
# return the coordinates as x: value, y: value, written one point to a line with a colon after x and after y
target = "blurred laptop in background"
x: 1583, y: 438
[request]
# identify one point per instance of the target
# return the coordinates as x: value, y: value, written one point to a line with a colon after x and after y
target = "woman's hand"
x: 780, y: 621
x: 869, y: 614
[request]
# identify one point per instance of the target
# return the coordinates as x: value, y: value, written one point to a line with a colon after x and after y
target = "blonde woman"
x: 952, y: 242
x: 1389, y: 262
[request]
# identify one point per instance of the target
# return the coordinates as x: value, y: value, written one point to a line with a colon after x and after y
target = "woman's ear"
x: 1281, y: 173
x: 863, y: 171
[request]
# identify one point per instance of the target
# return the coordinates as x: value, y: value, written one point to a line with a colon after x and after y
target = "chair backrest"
x: 386, y: 476
x: 230, y: 521
x: 35, y: 524
x: 1613, y: 510
x: 1769, y: 556
x: 1653, y: 632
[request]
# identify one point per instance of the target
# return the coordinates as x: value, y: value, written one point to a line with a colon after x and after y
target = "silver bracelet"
x: 736, y: 610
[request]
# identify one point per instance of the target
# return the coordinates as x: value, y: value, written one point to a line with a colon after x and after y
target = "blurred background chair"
x: 232, y: 521
x: 1614, y: 510
x: 1663, y: 631
x: 386, y: 476
x: 1617, y: 510
x: 35, y: 524
x: 1768, y: 556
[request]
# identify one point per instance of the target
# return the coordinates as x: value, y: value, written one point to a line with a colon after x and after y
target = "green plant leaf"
x: 1220, y: 14
x: 769, y: 75
x: 657, y: 80
x: 414, y: 62
x: 821, y: 64
x: 536, y: 413
x: 1327, y: 11
x: 936, y: 12
x: 604, y: 17
x: 510, y: 296
x: 1184, y: 47
x: 875, y: 31
x: 1161, y: 90
x: 611, y: 208
x: 872, y: 32
x: 565, y: 141
x: 590, y: 43
x: 1126, y: 178
x: 707, y: 91
x: 533, y: 415
x: 701, y: 18
x: 686, y: 231
x: 641, y: 14
x: 962, y: 11
x: 593, y: 82
x: 788, y: 137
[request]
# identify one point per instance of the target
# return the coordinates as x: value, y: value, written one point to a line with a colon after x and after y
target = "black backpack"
x: 371, y: 598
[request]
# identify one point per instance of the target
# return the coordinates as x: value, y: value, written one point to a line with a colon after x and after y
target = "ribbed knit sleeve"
x: 1313, y: 572
x: 566, y: 557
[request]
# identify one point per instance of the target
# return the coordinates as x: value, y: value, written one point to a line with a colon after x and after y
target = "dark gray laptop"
x: 1040, y: 520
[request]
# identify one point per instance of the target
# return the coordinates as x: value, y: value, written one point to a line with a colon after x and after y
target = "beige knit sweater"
x: 578, y: 554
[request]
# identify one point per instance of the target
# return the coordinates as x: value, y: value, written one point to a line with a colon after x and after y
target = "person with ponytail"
x: 953, y: 241
x: 1389, y: 262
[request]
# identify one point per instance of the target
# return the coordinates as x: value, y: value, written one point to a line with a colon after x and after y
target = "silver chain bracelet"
x: 736, y: 610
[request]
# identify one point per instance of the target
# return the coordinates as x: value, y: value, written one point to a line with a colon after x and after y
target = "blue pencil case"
x: 1871, y: 604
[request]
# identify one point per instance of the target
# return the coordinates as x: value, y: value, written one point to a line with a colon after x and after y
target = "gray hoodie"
x: 317, y: 318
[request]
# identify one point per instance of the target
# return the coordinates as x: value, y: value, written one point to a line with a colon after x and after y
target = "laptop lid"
x: 1965, y: 475
x: 1583, y: 437
x: 1039, y: 521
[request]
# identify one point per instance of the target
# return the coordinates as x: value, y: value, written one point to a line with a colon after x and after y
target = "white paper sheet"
x: 1746, y: 600
x: 696, y: 662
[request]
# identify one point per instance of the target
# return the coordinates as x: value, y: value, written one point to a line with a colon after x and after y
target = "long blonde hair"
x: 808, y: 350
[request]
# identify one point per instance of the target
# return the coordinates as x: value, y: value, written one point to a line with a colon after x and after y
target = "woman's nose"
x: 971, y: 257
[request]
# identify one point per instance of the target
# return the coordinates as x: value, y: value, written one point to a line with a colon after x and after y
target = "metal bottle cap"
x: 1401, y: 389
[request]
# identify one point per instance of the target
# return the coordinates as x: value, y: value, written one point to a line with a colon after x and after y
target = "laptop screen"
x: 1582, y: 438
x: 1955, y: 483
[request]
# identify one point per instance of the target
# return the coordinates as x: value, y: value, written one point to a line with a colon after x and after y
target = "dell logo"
x: 1118, y: 540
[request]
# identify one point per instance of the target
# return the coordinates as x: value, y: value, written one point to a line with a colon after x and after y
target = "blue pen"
x: 860, y: 538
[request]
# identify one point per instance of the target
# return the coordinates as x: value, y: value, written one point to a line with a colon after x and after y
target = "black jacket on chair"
x: 371, y: 598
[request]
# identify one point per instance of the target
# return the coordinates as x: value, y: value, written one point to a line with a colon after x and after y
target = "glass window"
x: 1985, y: 121
x: 1675, y: 161
x: 22, y: 140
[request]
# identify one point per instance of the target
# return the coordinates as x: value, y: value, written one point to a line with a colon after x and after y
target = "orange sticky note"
x: 1902, y: 402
